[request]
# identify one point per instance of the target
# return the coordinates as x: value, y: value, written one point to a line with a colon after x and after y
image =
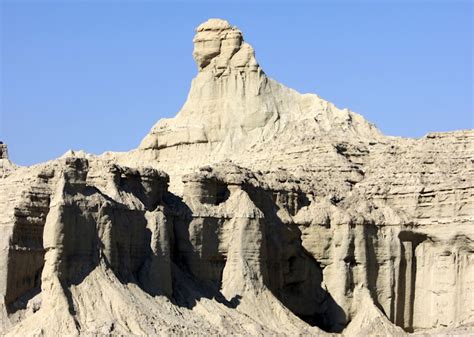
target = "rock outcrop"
x: 256, y: 210
x: 5, y: 164
x: 3, y: 151
x: 233, y: 106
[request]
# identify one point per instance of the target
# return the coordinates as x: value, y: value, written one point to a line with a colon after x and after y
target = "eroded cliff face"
x: 233, y: 106
x: 256, y: 211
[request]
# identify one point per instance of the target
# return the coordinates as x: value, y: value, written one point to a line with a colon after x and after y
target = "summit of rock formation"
x: 3, y: 151
x: 257, y: 210
x: 219, y: 47
x: 5, y: 163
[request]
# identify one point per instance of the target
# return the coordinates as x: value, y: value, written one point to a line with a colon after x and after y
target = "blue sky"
x: 96, y: 75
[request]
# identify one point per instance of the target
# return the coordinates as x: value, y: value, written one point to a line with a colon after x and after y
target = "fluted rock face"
x: 278, y: 214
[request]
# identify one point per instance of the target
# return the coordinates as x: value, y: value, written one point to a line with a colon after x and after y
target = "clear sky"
x: 96, y: 75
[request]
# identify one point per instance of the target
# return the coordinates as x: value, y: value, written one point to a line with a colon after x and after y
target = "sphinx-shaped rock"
x: 219, y: 47
x: 278, y: 214
x: 233, y: 106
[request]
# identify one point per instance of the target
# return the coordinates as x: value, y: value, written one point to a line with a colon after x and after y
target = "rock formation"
x: 5, y: 164
x: 256, y: 210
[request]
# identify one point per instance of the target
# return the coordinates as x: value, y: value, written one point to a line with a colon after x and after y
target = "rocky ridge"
x: 256, y: 210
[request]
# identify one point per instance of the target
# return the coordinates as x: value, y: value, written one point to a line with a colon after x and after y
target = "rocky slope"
x: 256, y: 210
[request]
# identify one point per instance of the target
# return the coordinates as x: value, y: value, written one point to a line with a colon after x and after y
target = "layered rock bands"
x: 257, y: 210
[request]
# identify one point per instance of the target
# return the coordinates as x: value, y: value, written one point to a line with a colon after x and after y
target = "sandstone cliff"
x: 256, y: 210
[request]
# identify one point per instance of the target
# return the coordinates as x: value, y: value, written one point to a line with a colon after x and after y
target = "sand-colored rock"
x: 257, y: 210
x: 232, y: 107
x: 6, y: 166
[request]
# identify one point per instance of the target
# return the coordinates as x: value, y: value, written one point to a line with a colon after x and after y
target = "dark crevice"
x: 407, y: 279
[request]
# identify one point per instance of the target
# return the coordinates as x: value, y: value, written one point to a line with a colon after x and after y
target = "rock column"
x: 3, y: 151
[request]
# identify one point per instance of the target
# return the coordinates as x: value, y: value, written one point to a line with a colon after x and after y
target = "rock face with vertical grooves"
x: 257, y: 210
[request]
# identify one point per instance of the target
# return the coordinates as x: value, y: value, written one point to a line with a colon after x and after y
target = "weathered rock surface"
x: 5, y: 164
x: 256, y: 210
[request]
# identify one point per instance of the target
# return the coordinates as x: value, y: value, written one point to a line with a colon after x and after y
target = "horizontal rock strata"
x: 257, y: 210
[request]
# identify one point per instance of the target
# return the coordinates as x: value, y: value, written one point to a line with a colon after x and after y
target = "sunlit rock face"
x: 233, y: 107
x: 216, y: 42
x: 257, y: 210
